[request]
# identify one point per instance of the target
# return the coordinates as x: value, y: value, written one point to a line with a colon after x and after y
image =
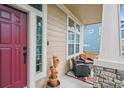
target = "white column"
x: 109, y: 55
x: 109, y: 45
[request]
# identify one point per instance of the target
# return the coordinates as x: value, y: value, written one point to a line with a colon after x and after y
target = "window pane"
x: 39, y: 39
x: 39, y: 44
x: 70, y: 49
x: 37, y: 6
x: 122, y: 21
x: 71, y: 23
x: 122, y: 26
x: 39, y: 59
x: 71, y: 37
x: 122, y: 48
x: 92, y: 38
x: 122, y: 33
x: 39, y: 50
x: 77, y: 28
x: 77, y: 38
x: 77, y: 48
x: 122, y: 42
x: 39, y: 68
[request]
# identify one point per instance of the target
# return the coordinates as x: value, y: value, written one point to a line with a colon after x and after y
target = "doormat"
x: 89, y: 80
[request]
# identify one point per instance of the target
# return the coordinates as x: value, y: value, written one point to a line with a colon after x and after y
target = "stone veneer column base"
x: 108, y: 78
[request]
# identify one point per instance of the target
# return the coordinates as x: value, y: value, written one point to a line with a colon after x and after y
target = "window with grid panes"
x: 39, y: 44
x: 73, y: 37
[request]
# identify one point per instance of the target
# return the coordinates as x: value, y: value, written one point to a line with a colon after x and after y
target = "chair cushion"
x: 81, y: 70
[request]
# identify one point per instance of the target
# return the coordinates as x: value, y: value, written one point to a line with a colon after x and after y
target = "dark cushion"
x: 81, y: 70
x: 90, y: 59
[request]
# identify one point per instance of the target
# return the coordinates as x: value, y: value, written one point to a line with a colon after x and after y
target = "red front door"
x: 12, y: 44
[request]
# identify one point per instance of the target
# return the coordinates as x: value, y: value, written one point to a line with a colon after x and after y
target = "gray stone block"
x: 100, y: 80
x: 105, y: 77
x: 120, y: 72
x: 117, y: 81
x: 108, y: 74
x: 110, y: 78
x: 96, y: 81
x: 118, y: 85
x: 110, y: 70
x: 107, y: 86
x: 96, y: 85
x: 109, y: 82
x: 120, y: 75
x: 98, y: 67
x: 100, y: 75
x: 122, y: 83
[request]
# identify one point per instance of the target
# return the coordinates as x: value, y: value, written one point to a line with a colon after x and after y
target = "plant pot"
x: 54, y: 76
x: 54, y: 82
x: 52, y: 70
x: 55, y: 62
x: 49, y: 85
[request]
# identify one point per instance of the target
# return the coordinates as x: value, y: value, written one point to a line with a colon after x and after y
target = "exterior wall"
x: 40, y: 83
x: 108, y: 78
x: 57, y: 37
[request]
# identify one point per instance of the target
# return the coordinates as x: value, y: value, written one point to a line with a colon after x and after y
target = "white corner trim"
x: 68, y: 12
x: 114, y: 64
x: 45, y: 40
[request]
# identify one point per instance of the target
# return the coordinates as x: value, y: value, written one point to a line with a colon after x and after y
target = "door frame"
x: 32, y: 76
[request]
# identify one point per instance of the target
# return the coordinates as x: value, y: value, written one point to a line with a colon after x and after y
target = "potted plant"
x: 55, y: 61
x: 53, y: 78
x: 52, y: 69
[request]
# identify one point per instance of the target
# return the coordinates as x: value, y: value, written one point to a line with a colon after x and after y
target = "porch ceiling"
x: 86, y: 13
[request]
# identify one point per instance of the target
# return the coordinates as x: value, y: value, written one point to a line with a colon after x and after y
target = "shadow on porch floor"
x: 68, y: 82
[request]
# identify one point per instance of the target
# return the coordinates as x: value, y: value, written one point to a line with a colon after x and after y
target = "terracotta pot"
x: 49, y: 85
x: 52, y: 70
x: 54, y: 76
x: 54, y: 82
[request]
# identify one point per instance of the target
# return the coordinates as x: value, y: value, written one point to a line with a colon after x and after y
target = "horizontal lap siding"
x: 55, y: 28
x: 57, y: 36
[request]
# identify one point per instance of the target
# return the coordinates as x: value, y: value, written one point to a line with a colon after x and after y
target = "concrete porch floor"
x: 69, y: 82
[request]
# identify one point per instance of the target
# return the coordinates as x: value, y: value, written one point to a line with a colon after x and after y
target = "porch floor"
x: 69, y: 82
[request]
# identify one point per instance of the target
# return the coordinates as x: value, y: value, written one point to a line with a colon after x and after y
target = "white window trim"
x: 75, y: 32
x: 32, y: 77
